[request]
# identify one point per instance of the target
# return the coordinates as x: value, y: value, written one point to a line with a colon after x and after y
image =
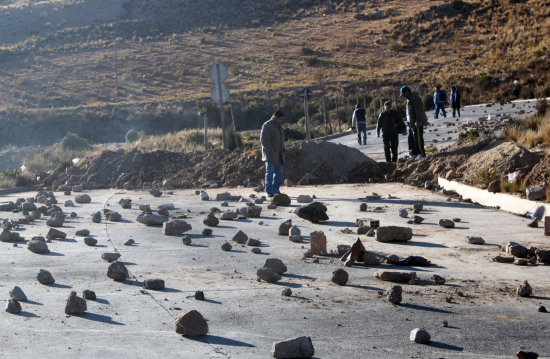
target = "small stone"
x: 82, y: 233
x: 125, y: 203
x: 88, y: 294
x: 56, y: 220
x: 395, y: 294
x: 68, y: 203
x: 524, y: 290
x: 420, y: 336
x: 403, y: 213
x: 207, y: 232
x: 446, y: 223
x: 224, y: 204
x: 313, y: 212
x: 281, y: 200
x: 226, y: 247
x: 253, y: 242
x: 318, y: 243
x: 199, y: 295
x: 153, y: 284
x: 393, y: 259
x: 186, y: 239
x: 417, y: 219
x: 117, y: 271
x: 83, y: 198
x: 363, y: 207
x: 204, y: 196
x: 457, y: 220
x: 240, y: 237
x: 18, y: 294
x: 113, y: 216
x: 191, y: 324
x: 38, y: 245
x: 286, y: 292
x: 276, y: 264
x: 445, y: 324
x: 110, y: 256
x: 256, y: 250
x: 393, y: 234
x: 542, y: 309
x: 533, y: 224
x: 418, y: 207
x: 129, y: 242
x: 75, y: 304
x: 301, y: 347
x: 395, y: 275
x: 45, y: 277
x: 521, y: 262
x: 517, y: 250
x: 211, y: 220
x: 229, y: 216
x: 151, y: 219
x: 438, y: 280
x: 271, y: 206
x: 56, y: 234
x: 268, y: 275
x: 474, y: 240
x: 175, y: 227
x: 304, y: 198
x: 96, y: 217
x: 90, y: 241
x: 340, y: 276
x: 285, y: 227
x: 13, y: 307
x: 526, y: 355
x: 155, y: 192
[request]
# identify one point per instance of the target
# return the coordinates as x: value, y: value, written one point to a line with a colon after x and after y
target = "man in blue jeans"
x: 360, y: 119
x: 272, y: 139
x: 440, y: 97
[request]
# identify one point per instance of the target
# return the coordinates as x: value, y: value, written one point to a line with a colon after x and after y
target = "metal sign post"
x: 306, y: 94
x: 220, y: 93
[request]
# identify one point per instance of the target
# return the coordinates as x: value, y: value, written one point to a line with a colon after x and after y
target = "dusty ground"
x: 486, y: 319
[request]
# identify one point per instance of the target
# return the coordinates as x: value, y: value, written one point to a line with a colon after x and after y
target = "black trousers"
x: 391, y: 142
x: 456, y: 108
x: 416, y: 141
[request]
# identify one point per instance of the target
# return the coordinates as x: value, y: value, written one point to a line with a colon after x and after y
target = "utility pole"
x: 306, y: 94
x: 116, y: 71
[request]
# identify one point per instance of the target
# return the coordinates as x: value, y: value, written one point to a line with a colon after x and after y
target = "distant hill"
x: 60, y: 55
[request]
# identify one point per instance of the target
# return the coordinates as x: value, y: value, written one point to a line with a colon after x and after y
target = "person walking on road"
x: 416, y: 120
x: 455, y: 100
x: 388, y: 122
x: 440, y: 97
x: 272, y: 139
x: 360, y: 119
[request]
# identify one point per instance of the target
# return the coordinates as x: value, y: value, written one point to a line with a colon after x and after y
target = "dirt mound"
x: 467, y: 160
x: 315, y: 162
x: 540, y: 172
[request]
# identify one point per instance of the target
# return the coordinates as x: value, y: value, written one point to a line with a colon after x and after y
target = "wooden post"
x: 325, y: 116
x: 234, y: 128
x: 306, y: 112
x: 338, y: 115
x: 205, y: 130
x: 222, y: 114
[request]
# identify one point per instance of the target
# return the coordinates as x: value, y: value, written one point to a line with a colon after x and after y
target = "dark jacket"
x: 455, y: 99
x: 440, y: 97
x: 415, y: 111
x: 272, y: 139
x: 387, y: 122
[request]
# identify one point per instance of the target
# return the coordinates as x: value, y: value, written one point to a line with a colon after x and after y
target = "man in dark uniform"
x: 388, y: 122
x: 360, y: 118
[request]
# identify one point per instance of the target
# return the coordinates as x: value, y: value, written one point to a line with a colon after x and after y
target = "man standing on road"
x: 455, y: 100
x: 416, y: 119
x: 272, y: 139
x: 360, y: 118
x: 388, y: 121
x: 439, y: 101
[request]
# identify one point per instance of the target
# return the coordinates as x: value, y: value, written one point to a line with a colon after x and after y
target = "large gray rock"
x: 38, y: 245
x: 240, y: 237
x: 155, y: 192
x: 340, y: 276
x: 229, y: 216
x: 420, y: 336
x: 517, y: 250
x: 304, y: 198
x: 313, y: 212
x: 56, y: 220
x: 96, y: 217
x: 68, y: 203
x: 536, y: 193
x: 82, y: 233
x: 393, y: 234
x: 83, y: 198
x: 301, y: 347
x: 110, y: 256
x: 45, y: 277
x: 90, y: 241
x: 125, y: 203
x: 285, y: 227
x: 175, y: 227
x: 18, y: 294
x: 191, y: 324
x: 446, y: 223
x: 276, y: 264
x: 250, y: 211
x: 55, y: 234
x: 29, y: 207
x: 75, y: 304
x: 211, y: 220
x: 524, y: 290
x: 474, y: 240
x: 13, y: 307
x: 151, y: 219
x: 281, y: 200
x: 117, y: 271
x: 268, y: 275
x: 390, y: 275
x: 153, y: 284
x: 113, y: 216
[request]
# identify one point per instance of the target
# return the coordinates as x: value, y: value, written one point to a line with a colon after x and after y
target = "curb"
x: 5, y: 191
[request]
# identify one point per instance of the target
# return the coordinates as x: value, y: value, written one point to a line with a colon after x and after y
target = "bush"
x: 541, y: 107
x: 428, y: 102
x: 463, y: 136
x: 193, y: 138
x: 71, y: 141
x: 132, y: 136
x: 293, y: 134
x: 232, y: 142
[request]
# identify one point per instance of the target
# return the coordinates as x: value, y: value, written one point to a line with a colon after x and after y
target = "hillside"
x: 58, y: 59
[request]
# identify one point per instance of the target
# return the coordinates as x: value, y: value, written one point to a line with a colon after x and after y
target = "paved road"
x: 442, y: 132
x: 486, y: 319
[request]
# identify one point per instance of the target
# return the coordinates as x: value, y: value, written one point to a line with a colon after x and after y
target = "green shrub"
x: 193, y: 138
x: 463, y: 136
x: 293, y: 134
x: 71, y: 141
x: 541, y: 107
x: 484, y: 177
x: 132, y: 136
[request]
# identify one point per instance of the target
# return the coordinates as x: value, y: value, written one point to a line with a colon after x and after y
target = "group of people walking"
x: 389, y: 123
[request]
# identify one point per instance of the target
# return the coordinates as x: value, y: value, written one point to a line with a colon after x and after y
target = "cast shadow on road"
x: 27, y: 314
x: 444, y: 346
x: 426, y: 308
x: 298, y: 276
x: 32, y: 302
x: 421, y: 244
x: 98, y: 318
x: 365, y: 287
x: 212, y: 301
x: 62, y: 286
x: 54, y: 254
x: 426, y: 204
x: 287, y: 284
x: 338, y: 223
x: 217, y: 340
